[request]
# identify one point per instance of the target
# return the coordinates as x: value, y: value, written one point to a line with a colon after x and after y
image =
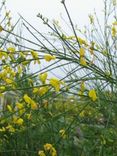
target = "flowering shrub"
x: 68, y: 114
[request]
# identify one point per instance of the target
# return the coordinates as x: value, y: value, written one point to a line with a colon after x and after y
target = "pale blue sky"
x: 79, y: 9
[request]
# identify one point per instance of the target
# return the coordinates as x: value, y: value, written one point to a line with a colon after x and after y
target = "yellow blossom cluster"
x: 49, y: 57
x: 82, y: 88
x: 56, y: 83
x: 18, y: 121
x: 40, y: 90
x: 48, y: 148
x: 35, y: 56
x: 30, y: 102
x: 114, y: 29
x: 43, y: 77
x: 92, y: 95
x: 62, y: 133
x: 82, y: 57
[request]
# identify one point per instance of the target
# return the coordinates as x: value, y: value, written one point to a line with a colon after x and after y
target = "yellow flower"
x: 55, y: 83
x: 8, y: 81
x: 19, y: 121
x: 47, y: 147
x: 2, y: 129
x: 10, y: 128
x: 42, y: 90
x: 91, y: 48
x: 30, y: 101
x: 53, y: 152
x: 35, y: 90
x: 11, y: 49
x: 21, y: 111
x: 2, y: 88
x: 114, y: 31
x: 82, y: 42
x: 27, y: 98
x: 19, y: 105
x: 43, y: 77
x: 3, y: 54
x: 12, y: 73
x: 82, y: 114
x: 82, y: 52
x: 33, y: 105
x: 49, y: 57
x: 92, y: 95
x: 41, y: 153
x: 35, y: 56
x: 83, y: 61
x: 9, y: 108
x: 63, y: 133
x: 51, y: 149
x: 82, y: 86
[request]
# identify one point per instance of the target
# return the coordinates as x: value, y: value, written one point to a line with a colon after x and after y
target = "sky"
x: 79, y: 9
x: 53, y: 9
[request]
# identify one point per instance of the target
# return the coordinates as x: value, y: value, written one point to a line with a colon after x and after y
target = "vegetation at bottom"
x: 66, y: 105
